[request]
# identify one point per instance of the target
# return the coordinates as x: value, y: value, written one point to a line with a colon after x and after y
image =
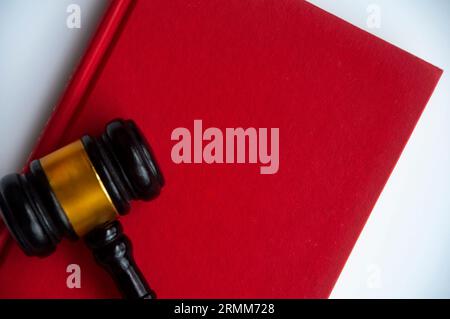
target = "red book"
x: 344, y: 103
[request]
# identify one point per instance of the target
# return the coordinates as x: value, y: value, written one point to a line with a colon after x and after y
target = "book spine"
x: 65, y: 111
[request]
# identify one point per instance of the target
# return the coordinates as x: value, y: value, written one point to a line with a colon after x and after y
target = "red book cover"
x: 328, y: 109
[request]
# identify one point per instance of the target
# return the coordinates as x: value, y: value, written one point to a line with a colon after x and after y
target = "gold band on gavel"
x: 78, y: 188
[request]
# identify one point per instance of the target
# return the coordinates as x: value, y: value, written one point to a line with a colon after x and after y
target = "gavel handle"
x: 113, y: 251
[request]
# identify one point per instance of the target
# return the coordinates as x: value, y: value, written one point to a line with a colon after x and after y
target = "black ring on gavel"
x: 80, y: 191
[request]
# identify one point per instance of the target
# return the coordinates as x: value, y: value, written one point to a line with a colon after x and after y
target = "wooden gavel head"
x: 78, y: 188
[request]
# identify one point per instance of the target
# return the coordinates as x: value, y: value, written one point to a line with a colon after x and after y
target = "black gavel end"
x: 79, y: 191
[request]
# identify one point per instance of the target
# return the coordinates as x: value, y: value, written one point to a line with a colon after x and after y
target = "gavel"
x: 79, y: 191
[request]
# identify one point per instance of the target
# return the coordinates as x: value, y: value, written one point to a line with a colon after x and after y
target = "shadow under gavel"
x: 79, y: 191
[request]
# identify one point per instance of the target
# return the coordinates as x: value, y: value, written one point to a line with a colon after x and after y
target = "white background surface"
x: 404, y: 250
x: 38, y: 53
